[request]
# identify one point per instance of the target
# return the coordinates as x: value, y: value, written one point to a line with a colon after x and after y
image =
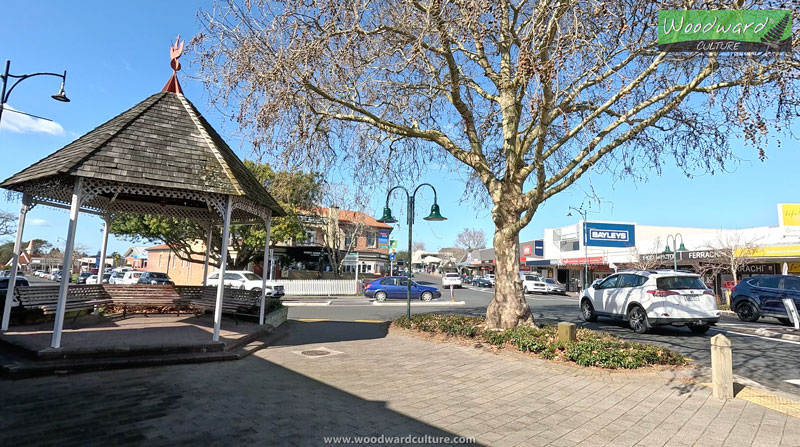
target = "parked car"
x: 396, y: 287
x: 466, y: 279
x: 93, y: 278
x: 762, y: 296
x: 21, y: 281
x: 130, y: 277
x: 482, y: 282
x: 82, y: 277
x: 652, y: 298
x: 490, y: 277
x: 533, y: 284
x: 451, y: 279
x: 246, y: 280
x: 116, y: 277
x: 554, y: 286
x: 155, y: 278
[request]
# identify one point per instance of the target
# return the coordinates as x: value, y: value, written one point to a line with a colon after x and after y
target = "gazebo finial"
x: 175, y: 51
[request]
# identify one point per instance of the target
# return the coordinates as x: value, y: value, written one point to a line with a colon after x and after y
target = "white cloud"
x: 38, y: 222
x: 19, y: 123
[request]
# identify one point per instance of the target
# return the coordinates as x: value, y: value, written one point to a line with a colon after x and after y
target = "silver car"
x: 553, y: 286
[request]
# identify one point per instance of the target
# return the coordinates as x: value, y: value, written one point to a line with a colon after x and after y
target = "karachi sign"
x: 740, y: 31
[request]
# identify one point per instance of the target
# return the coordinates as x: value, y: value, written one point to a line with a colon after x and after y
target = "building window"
x: 371, y: 240
x: 348, y: 239
x: 144, y: 263
x: 311, y: 237
x: 159, y: 259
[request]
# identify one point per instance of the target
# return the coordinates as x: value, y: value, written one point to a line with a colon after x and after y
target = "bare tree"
x: 7, y: 224
x: 528, y: 95
x: 418, y: 246
x: 649, y: 260
x: 471, y: 239
x: 342, y: 226
x: 733, y: 251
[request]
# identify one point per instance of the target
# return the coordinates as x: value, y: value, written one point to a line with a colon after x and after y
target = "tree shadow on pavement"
x: 308, y: 332
x: 253, y: 401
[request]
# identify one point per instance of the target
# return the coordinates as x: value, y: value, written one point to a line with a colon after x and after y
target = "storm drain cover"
x: 316, y: 352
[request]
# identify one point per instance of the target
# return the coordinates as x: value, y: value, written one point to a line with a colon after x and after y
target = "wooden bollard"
x: 721, y: 367
x: 566, y: 332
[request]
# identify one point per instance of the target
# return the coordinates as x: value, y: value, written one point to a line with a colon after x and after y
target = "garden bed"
x: 592, y: 348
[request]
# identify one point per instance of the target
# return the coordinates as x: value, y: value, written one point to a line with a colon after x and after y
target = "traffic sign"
x: 350, y: 259
x: 391, y: 256
x: 393, y: 243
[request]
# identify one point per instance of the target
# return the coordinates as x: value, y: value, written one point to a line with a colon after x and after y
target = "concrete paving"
x: 377, y: 384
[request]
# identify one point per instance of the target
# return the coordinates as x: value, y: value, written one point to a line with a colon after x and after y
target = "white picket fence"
x: 319, y: 287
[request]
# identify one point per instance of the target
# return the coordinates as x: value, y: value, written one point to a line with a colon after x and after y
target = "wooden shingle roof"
x: 162, y: 142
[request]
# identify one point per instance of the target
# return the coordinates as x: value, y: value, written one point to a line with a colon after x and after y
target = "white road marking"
x: 758, y: 336
x: 793, y: 381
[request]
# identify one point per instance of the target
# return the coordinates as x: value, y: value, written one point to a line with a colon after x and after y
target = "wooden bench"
x: 145, y: 295
x: 45, y: 298
x: 235, y: 302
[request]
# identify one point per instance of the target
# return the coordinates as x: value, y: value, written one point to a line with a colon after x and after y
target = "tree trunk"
x: 508, y: 308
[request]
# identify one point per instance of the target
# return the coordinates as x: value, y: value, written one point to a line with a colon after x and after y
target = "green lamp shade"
x: 435, y: 214
x: 387, y: 216
x: 681, y: 248
x: 667, y: 250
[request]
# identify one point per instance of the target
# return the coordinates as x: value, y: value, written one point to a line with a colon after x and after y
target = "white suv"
x: 451, y: 279
x: 652, y: 298
x: 246, y: 280
x: 532, y: 283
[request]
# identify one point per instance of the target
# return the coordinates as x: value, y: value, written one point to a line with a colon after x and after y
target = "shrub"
x: 447, y: 324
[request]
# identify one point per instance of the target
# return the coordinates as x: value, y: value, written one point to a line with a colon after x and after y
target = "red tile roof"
x: 355, y: 217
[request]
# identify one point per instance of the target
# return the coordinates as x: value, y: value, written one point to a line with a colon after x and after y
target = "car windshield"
x: 252, y: 276
x: 549, y: 281
x: 159, y: 275
x: 679, y: 283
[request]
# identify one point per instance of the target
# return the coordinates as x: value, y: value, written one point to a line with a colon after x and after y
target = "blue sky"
x: 117, y: 53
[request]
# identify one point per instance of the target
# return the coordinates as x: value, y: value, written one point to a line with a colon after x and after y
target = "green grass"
x: 591, y: 348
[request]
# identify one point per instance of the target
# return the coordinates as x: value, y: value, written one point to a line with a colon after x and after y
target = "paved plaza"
x: 372, y: 384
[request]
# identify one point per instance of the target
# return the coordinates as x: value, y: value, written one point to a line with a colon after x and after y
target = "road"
x: 770, y: 362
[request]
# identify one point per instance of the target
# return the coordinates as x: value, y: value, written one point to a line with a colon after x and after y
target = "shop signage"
x: 757, y: 269
x: 789, y: 214
x: 696, y: 255
x: 383, y: 239
x: 739, y: 30
x: 777, y: 251
x: 527, y: 250
x: 794, y: 267
x: 598, y: 234
x: 538, y: 247
x: 576, y: 261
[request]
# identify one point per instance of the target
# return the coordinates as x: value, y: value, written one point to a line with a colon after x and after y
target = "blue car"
x: 481, y: 282
x: 762, y: 296
x: 395, y: 287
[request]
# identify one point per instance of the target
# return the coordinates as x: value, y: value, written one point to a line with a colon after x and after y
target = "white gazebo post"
x: 12, y: 280
x: 58, y: 325
x: 101, y: 268
x: 208, y: 254
x: 267, y: 229
x: 223, y: 263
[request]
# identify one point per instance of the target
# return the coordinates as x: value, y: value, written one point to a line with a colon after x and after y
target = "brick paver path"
x: 392, y: 385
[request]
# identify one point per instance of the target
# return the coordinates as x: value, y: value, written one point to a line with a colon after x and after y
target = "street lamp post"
x: 675, y: 248
x: 60, y: 96
x: 582, y: 212
x: 387, y: 217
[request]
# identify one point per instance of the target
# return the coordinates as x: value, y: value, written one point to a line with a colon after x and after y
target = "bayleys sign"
x: 727, y: 30
x: 597, y: 234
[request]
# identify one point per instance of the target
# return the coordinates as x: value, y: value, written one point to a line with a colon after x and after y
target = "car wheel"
x: 699, y: 328
x: 426, y: 296
x: 525, y: 290
x: 747, y: 312
x: 380, y: 296
x: 637, y: 318
x: 785, y: 321
x: 241, y: 287
x: 587, y: 311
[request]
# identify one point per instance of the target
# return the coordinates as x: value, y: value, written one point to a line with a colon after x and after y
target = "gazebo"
x: 159, y: 157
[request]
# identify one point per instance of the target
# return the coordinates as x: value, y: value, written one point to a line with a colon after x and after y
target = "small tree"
x: 471, y: 238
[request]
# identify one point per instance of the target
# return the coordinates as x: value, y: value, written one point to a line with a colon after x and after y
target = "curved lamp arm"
x: 20, y: 78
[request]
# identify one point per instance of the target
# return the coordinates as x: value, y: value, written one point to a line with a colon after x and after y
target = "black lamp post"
x: 582, y: 212
x: 675, y: 249
x: 387, y: 217
x: 60, y: 96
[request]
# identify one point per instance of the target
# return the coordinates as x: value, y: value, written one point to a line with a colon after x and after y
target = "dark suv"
x: 762, y: 296
x: 155, y: 278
